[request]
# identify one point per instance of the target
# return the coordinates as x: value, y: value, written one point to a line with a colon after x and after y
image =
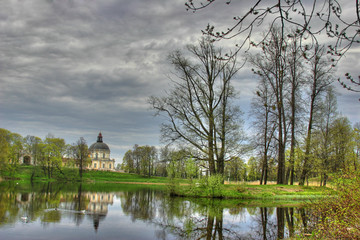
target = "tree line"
x: 51, y: 154
x: 175, y: 162
x: 297, y: 128
x: 294, y: 105
x: 295, y: 112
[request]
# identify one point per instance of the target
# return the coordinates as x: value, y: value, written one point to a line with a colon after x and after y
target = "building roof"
x: 99, y: 145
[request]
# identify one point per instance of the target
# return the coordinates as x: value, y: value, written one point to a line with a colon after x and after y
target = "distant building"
x: 26, y: 158
x: 100, y: 155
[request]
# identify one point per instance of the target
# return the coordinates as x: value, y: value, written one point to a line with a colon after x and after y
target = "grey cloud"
x: 74, y: 68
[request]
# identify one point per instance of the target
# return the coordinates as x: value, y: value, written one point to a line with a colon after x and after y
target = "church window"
x: 96, y: 156
x: 94, y: 165
x: 103, y: 155
x: 103, y: 165
x: 110, y: 165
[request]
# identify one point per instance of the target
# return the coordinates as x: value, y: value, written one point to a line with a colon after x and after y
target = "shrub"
x: 241, y: 188
x: 339, y: 216
x: 215, y: 185
x: 205, y: 187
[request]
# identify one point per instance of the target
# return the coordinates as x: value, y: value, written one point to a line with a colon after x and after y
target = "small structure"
x: 26, y: 158
x: 100, y: 155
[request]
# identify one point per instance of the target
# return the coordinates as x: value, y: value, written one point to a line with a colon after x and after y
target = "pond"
x: 105, y: 211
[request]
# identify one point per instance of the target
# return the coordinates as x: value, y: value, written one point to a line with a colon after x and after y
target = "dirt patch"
x: 253, y: 189
x: 289, y: 189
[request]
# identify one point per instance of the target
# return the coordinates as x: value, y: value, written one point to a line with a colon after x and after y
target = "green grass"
x: 24, y: 173
x: 277, y: 191
x: 114, y: 187
x: 259, y: 192
x: 111, y: 181
x: 101, y: 176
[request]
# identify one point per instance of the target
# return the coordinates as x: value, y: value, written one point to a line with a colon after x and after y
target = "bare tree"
x: 81, y: 154
x: 321, y: 144
x: 350, y: 83
x: 295, y: 82
x: 271, y: 65
x: 264, y: 125
x: 308, y: 18
x: 320, y: 80
x: 199, y: 108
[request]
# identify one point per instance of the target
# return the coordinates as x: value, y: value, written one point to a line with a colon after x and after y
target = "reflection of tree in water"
x: 203, y: 220
x: 264, y: 224
x: 80, y: 203
x: 183, y: 218
x: 49, y: 202
x: 15, y: 203
x: 284, y: 224
x: 141, y: 204
x: 179, y: 217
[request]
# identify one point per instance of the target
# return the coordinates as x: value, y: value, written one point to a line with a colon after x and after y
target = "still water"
x: 70, y: 211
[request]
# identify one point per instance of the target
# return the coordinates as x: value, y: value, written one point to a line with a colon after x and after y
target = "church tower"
x: 100, y: 155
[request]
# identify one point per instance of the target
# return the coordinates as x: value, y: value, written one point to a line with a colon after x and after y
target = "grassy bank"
x: 180, y: 187
x: 25, y: 173
x: 251, y: 192
x: 100, y: 176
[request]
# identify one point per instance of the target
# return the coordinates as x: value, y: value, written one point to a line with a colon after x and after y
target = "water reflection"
x: 137, y: 213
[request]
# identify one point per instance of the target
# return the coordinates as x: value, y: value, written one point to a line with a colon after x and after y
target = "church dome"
x: 99, y: 145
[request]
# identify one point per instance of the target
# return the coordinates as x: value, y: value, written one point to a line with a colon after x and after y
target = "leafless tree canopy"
x: 199, y: 108
x: 308, y: 18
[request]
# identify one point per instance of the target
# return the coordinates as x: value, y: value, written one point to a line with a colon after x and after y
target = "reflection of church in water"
x: 97, y: 208
x: 94, y: 205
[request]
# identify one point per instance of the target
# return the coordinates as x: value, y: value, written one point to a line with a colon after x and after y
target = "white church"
x: 100, y: 155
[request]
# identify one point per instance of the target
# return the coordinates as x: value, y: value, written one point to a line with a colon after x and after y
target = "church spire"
x: 99, y: 138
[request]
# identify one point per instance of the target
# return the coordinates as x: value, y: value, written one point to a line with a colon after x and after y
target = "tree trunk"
x: 281, y: 147
x: 212, y: 168
x: 306, y: 166
x: 292, y: 144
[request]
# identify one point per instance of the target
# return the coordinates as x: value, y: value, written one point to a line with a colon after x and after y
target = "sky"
x: 74, y: 68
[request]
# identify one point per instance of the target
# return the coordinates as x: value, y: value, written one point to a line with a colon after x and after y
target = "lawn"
x: 102, y: 176
x: 249, y: 191
x: 182, y: 188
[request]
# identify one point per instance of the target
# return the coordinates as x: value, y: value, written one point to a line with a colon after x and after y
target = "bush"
x: 338, y: 217
x: 215, y: 185
x: 208, y: 187
x: 205, y: 187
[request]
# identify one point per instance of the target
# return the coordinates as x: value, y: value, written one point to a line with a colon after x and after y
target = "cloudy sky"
x: 76, y: 67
